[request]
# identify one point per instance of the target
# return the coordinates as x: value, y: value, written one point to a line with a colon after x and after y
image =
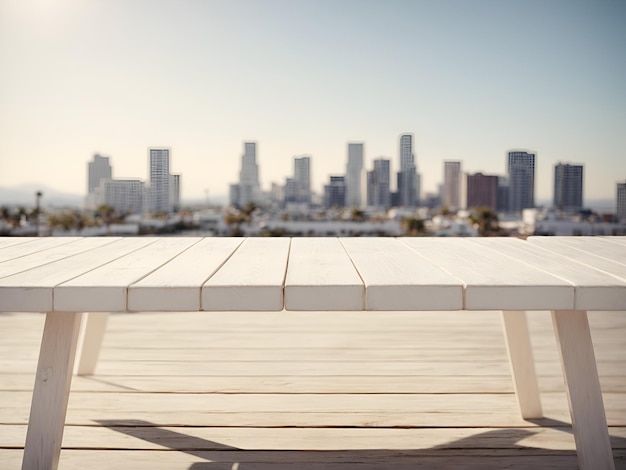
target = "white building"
x: 558, y: 224
x: 175, y: 193
x: 124, y: 195
x: 249, y: 188
x: 355, y: 176
x: 159, y: 191
x: 408, y: 179
x: 451, y: 196
x: 521, y: 173
x: 378, y: 184
x: 302, y: 177
x: 97, y: 170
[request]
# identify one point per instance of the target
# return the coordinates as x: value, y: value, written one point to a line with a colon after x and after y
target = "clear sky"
x: 470, y: 78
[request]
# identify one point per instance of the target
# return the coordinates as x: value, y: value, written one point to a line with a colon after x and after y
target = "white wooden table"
x: 68, y: 277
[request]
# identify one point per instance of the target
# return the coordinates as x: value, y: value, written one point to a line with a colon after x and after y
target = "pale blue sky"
x: 470, y: 79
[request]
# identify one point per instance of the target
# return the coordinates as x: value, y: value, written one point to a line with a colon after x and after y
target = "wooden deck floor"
x: 309, y: 391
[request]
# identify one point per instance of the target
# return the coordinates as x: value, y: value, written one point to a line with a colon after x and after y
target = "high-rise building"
x: 621, y: 202
x: 451, y: 196
x: 302, y: 177
x: 124, y: 195
x: 502, y: 199
x: 354, y: 175
x: 378, y: 182
x: 408, y: 179
x: 249, y: 187
x: 568, y: 187
x: 97, y: 170
x: 290, y: 191
x: 233, y: 194
x: 482, y: 191
x: 159, y: 191
x: 335, y: 192
x: 521, y: 173
x: 175, y: 193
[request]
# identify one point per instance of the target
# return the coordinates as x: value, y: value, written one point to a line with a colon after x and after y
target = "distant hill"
x: 24, y: 195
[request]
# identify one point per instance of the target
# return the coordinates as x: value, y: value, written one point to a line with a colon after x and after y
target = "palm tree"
x: 487, y: 221
x: 413, y: 226
x: 236, y: 218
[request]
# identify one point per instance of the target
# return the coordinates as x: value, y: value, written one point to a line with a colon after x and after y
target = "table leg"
x: 90, y: 342
x: 584, y: 395
x: 51, y: 392
x: 522, y: 363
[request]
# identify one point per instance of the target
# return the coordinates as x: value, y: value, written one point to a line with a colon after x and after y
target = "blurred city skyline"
x: 470, y: 80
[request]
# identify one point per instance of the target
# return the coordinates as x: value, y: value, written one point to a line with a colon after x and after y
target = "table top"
x: 70, y: 274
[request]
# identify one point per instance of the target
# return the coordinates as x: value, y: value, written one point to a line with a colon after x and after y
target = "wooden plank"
x: 252, y: 279
x: 52, y: 390
x: 590, y: 256
x: 321, y: 276
x: 32, y: 290
x: 176, y: 285
x: 365, y: 459
x: 11, y: 241
x: 491, y: 280
x: 30, y: 245
x: 145, y: 436
x: 620, y: 240
x: 307, y: 410
x: 104, y: 289
x: 356, y: 384
x: 595, y: 289
x: 303, y: 410
x: 396, y: 278
x: 45, y: 252
x: 522, y: 364
x: 598, y: 246
x: 583, y: 390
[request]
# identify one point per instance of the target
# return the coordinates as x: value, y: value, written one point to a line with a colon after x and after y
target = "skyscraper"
x: 621, y: 202
x: 521, y: 173
x: 568, y: 187
x: 175, y: 192
x: 378, y: 181
x: 249, y: 188
x: 335, y: 192
x: 97, y: 170
x: 354, y: 175
x: 159, y: 192
x: 451, y: 197
x: 502, y: 199
x: 302, y: 177
x: 408, y: 179
x: 482, y: 191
